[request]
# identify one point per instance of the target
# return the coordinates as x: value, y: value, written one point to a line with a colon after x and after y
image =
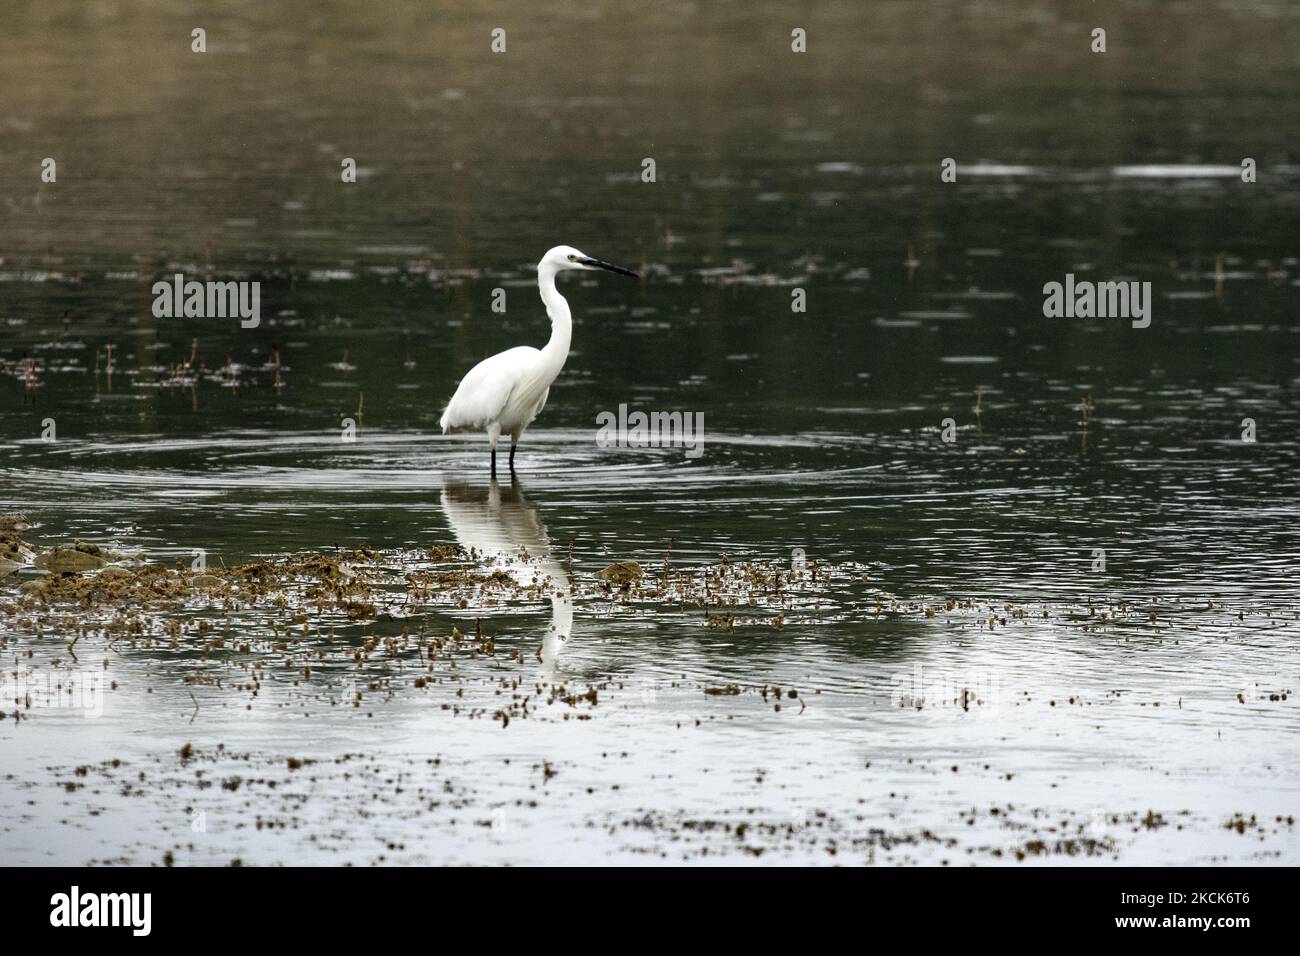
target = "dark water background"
x: 775, y: 171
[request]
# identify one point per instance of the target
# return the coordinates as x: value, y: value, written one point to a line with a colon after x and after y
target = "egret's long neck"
x: 557, y: 349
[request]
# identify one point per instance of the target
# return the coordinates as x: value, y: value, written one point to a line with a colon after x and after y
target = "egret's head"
x: 562, y: 258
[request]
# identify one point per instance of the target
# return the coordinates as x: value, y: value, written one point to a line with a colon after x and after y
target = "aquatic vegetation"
x: 454, y: 631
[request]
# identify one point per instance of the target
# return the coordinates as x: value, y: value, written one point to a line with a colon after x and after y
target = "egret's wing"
x: 484, y: 392
x: 541, y: 403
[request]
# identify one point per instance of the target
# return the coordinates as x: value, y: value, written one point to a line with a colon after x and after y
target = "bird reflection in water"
x: 508, y: 534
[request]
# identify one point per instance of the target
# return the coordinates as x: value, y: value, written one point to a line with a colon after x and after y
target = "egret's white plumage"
x: 502, y: 395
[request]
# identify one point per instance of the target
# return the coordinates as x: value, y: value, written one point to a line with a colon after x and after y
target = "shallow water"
x: 1138, y: 713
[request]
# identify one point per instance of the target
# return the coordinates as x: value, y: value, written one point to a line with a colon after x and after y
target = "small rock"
x: 621, y: 573
x: 14, y: 551
x: 15, y: 522
x: 13, y: 555
x: 62, y: 560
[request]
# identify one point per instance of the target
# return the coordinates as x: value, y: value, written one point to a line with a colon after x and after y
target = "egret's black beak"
x: 607, y: 266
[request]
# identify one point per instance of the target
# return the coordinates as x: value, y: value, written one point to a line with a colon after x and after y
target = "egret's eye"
x: 573, y: 258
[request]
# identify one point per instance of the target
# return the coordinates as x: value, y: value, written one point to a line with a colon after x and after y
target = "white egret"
x: 504, y: 393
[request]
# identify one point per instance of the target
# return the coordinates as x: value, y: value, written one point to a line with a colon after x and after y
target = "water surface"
x: 1142, y: 713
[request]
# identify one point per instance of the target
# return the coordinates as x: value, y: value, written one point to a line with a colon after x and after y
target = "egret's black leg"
x: 494, y: 462
x: 512, y: 458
